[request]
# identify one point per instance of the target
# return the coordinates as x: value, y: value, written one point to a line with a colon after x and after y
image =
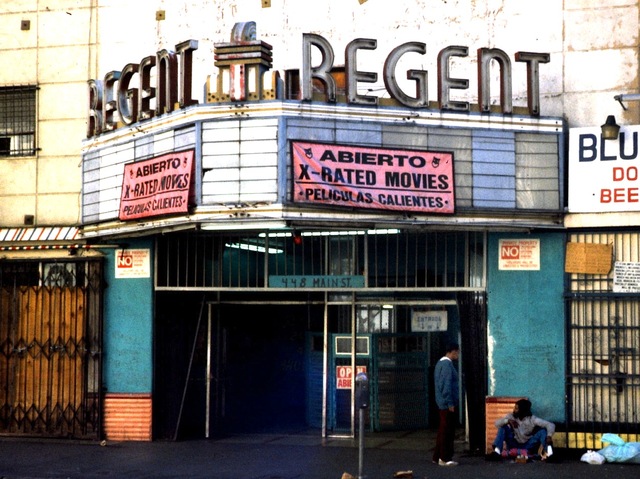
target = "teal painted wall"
x: 128, y: 328
x: 526, y: 327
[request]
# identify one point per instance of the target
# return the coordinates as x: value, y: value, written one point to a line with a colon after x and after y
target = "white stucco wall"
x: 592, y: 43
x: 53, y: 55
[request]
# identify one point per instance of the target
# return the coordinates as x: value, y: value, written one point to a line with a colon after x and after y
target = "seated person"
x: 522, y: 433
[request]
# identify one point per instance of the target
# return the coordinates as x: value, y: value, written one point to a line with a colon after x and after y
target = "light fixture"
x: 610, y: 129
x: 254, y: 248
x: 264, y: 224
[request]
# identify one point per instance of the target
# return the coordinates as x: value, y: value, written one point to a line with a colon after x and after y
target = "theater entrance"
x: 249, y: 346
x: 284, y: 367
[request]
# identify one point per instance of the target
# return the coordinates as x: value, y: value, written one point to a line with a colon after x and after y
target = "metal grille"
x: 603, y: 354
x: 18, y: 120
x: 402, y: 381
x: 50, y: 333
x: 388, y: 259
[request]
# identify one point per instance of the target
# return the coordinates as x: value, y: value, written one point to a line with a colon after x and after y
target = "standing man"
x: 447, y: 396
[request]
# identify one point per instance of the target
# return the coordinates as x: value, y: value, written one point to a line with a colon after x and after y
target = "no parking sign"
x: 133, y: 263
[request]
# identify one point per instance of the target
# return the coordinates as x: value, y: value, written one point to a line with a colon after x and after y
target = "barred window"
x: 18, y: 120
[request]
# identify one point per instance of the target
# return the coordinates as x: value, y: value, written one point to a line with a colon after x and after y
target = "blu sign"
x: 603, y: 175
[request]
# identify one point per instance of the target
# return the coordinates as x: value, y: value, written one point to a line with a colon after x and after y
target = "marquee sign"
x: 376, y: 178
x: 157, y: 186
x: 113, y: 102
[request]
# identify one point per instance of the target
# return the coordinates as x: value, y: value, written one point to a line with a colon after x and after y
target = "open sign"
x: 344, y: 375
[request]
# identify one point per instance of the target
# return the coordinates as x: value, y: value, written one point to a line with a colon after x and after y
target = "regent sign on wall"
x: 377, y: 178
x: 162, y: 83
x: 157, y: 186
x: 604, y: 174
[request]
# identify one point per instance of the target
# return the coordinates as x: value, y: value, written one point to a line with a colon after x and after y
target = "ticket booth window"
x: 375, y: 319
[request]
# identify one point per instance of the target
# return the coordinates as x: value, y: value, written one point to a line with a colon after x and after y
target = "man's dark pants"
x: 446, y: 435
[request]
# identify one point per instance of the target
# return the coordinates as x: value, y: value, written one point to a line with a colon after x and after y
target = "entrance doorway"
x: 398, y: 342
x: 258, y: 367
x: 241, y: 365
x: 249, y: 363
x: 240, y: 315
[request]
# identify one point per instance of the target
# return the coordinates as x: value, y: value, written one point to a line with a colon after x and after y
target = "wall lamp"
x: 610, y: 129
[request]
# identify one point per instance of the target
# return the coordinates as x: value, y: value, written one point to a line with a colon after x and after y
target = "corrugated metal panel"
x: 313, y: 129
x: 496, y: 408
x: 240, y: 161
x: 102, y: 172
x: 127, y: 417
x: 494, y: 159
x: 537, y: 171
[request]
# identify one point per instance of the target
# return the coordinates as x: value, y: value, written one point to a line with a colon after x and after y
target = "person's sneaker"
x: 447, y: 463
x: 494, y: 455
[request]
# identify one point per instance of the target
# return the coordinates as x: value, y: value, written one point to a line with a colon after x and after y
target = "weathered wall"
x: 584, y: 38
x: 71, y: 41
x: 53, y: 55
x: 128, y: 328
x: 526, y: 328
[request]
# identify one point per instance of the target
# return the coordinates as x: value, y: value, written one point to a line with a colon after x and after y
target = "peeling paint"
x: 491, y: 369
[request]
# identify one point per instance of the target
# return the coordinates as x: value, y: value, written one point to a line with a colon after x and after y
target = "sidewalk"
x: 274, y: 457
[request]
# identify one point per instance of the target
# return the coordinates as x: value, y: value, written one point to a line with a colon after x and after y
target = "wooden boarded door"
x: 49, y: 361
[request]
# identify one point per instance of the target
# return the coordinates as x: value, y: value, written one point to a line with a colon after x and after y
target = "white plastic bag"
x: 592, y: 457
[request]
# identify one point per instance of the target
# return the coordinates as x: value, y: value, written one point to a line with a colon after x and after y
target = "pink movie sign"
x: 376, y: 178
x: 158, y: 186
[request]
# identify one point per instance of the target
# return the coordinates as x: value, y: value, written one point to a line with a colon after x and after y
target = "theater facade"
x: 263, y: 246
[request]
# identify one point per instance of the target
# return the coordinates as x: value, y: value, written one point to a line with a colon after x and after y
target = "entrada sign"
x: 112, y: 103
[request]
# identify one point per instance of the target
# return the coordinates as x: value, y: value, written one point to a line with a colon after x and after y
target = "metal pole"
x: 207, y: 420
x: 325, y: 364
x: 361, y: 444
x: 353, y: 362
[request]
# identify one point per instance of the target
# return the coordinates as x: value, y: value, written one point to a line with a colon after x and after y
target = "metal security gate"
x: 50, y: 348
x: 401, y: 381
x: 604, y: 381
x: 603, y: 328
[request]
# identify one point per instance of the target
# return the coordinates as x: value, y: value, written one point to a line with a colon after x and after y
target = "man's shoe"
x: 447, y: 463
x: 493, y: 456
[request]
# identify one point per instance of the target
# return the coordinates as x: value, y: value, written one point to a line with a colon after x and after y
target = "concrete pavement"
x: 287, y: 456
